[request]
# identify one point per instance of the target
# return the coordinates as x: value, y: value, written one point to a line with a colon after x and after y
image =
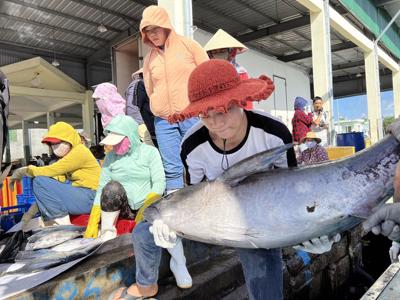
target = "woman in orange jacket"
x: 166, y: 73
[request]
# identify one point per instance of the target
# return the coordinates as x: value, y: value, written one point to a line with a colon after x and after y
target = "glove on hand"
x: 163, y: 236
x: 386, y: 221
x: 318, y: 245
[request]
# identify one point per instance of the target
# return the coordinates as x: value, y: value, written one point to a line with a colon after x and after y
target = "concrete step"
x: 239, y: 293
x: 210, y: 279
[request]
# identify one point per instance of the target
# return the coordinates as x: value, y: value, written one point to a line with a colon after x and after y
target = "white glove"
x: 17, y: 175
x: 163, y: 236
x: 318, y: 245
x: 394, y: 252
x: 32, y: 211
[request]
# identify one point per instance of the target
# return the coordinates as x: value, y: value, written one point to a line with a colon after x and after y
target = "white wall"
x: 256, y: 63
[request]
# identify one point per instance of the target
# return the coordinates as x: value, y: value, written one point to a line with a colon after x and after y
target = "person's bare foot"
x: 137, y: 291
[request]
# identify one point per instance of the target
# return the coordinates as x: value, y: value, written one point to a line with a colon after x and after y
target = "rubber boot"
x: 108, y: 221
x: 62, y: 220
x: 178, y: 266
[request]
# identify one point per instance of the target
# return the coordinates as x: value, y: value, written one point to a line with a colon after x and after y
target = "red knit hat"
x: 215, y: 85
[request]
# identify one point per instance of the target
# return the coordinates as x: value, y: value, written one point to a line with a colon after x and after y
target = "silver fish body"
x: 50, y: 237
x: 281, y: 207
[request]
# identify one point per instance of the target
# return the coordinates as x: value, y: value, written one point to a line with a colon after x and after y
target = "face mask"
x: 123, y: 147
x: 311, y: 144
x: 61, y: 149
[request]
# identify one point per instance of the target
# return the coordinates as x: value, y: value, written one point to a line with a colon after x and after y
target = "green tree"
x: 386, y: 122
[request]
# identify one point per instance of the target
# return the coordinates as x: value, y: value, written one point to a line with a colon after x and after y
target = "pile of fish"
x: 53, y: 246
x: 252, y: 206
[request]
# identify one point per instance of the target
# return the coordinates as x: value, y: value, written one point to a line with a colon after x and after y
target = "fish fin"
x: 254, y: 164
x: 361, y: 213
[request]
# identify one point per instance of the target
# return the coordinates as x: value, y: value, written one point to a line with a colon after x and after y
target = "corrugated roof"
x: 70, y: 26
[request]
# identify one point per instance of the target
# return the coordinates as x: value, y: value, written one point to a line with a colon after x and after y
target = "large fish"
x: 37, y: 260
x: 250, y: 206
x: 52, y: 236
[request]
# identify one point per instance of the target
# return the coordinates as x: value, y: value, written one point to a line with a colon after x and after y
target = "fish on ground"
x: 250, y: 206
x: 52, y: 236
x: 37, y: 260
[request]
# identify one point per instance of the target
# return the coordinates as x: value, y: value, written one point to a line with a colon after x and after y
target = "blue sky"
x: 355, y: 107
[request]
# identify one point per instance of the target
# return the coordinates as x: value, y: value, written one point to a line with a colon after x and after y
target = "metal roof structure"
x: 68, y: 28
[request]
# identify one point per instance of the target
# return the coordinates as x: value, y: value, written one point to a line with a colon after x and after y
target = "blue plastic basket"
x: 9, y: 219
x: 27, y: 185
x: 25, y: 199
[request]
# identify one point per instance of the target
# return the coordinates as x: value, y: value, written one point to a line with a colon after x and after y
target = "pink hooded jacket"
x: 110, y: 103
x: 166, y: 73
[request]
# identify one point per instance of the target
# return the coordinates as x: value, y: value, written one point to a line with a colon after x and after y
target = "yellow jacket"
x: 79, y: 165
x: 166, y: 73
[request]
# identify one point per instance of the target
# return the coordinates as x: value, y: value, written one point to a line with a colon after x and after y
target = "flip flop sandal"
x: 124, y: 295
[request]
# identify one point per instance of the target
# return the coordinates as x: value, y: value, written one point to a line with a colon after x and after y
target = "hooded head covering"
x: 126, y: 126
x: 300, y: 103
x: 110, y: 103
x: 215, y: 85
x: 155, y: 15
x: 62, y: 131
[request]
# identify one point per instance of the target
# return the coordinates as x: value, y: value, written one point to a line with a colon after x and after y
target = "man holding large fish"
x: 226, y: 135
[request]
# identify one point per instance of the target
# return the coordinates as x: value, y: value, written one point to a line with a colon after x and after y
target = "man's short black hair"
x: 316, y: 98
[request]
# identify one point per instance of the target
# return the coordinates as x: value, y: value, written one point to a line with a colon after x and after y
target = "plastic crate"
x: 123, y: 226
x: 25, y: 199
x: 27, y: 185
x: 9, y: 220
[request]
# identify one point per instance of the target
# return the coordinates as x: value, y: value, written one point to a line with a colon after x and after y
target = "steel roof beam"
x: 60, y: 14
x: 307, y: 54
x: 24, y: 48
x: 46, y: 38
x: 124, y: 17
x: 274, y: 29
x: 348, y: 65
x: 67, y: 31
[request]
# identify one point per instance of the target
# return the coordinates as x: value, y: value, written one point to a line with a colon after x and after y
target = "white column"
x: 50, y: 119
x: 26, y: 142
x: 8, y: 148
x: 321, y: 55
x: 88, y: 115
x: 373, y: 95
x: 180, y: 14
x: 396, y: 93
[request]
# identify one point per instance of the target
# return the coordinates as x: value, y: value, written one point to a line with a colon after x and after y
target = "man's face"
x: 224, y: 125
x: 157, y: 35
x: 317, y: 105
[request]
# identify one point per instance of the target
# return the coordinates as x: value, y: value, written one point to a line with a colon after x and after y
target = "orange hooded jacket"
x: 166, y: 73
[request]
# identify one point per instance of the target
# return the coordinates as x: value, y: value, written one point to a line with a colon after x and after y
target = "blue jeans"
x: 56, y: 199
x: 169, y: 138
x: 263, y: 272
x: 262, y: 268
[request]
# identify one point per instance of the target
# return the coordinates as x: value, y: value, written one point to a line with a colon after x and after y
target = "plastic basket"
x: 27, y: 185
x: 25, y: 199
x: 123, y: 226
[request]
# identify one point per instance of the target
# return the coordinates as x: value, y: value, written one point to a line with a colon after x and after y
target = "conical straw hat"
x: 222, y: 39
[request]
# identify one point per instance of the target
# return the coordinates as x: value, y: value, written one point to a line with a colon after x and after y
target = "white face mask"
x: 61, y: 149
x: 311, y: 144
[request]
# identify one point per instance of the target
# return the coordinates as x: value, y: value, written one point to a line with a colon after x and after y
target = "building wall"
x: 256, y: 63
